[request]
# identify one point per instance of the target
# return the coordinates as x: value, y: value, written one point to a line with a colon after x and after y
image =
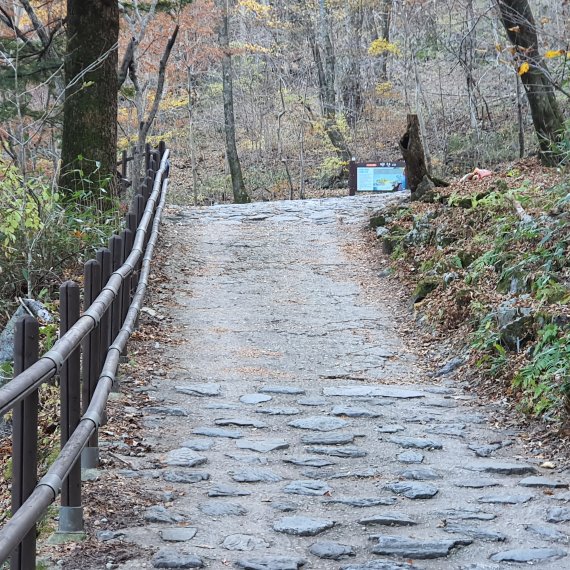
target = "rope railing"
x: 88, y: 353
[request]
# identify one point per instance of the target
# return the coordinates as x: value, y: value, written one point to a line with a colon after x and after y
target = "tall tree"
x: 89, y: 141
x: 519, y: 23
x: 240, y: 194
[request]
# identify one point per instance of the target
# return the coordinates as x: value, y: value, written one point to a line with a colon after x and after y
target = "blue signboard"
x: 377, y: 177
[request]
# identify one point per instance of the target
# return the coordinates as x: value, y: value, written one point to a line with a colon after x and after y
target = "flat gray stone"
x: 178, y: 534
x: 255, y: 476
x: 354, y: 412
x: 558, y: 515
x: 504, y: 468
x: 312, y: 402
x: 184, y: 457
x: 311, y: 487
x: 198, y: 444
x: 166, y: 411
x: 221, y: 406
x: 381, y: 564
x: 543, y: 482
x: 326, y: 473
x: 346, y: 451
x: 416, y: 443
x: 159, y: 514
x: 413, y: 490
x: 240, y: 422
x: 279, y: 411
x: 331, y: 550
x: 419, y: 474
x: 363, y: 502
x: 375, y: 391
x: 387, y: 519
x: 411, y: 457
x: 302, y: 526
x: 319, y: 423
x: 105, y: 535
x: 270, y: 563
x: 200, y: 389
x: 218, y: 432
x: 174, y: 559
x: 469, y: 515
x: 255, y: 398
x: 185, y: 476
x: 529, y: 555
x: 475, y: 532
x: 221, y: 490
x: 505, y: 499
x: 291, y: 390
x: 412, y: 548
x: 244, y: 542
x: 219, y: 509
x: 390, y: 428
x: 249, y: 459
x: 477, y: 483
x: 548, y: 532
x: 484, y: 450
x: 328, y: 439
x: 262, y: 445
x: 309, y: 461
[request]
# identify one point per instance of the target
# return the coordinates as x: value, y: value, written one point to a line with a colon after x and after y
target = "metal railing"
x: 86, y: 358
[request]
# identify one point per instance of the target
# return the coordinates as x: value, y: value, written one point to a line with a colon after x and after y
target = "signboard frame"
x: 363, y: 173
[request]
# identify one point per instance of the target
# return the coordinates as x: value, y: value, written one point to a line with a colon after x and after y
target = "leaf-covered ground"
x: 487, y: 266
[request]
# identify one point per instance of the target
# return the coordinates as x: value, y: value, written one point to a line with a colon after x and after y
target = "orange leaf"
x: 524, y: 68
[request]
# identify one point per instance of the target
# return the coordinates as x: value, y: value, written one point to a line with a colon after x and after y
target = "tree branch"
x: 126, y: 63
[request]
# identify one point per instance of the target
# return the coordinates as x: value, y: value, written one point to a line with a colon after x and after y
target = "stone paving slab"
x: 314, y: 438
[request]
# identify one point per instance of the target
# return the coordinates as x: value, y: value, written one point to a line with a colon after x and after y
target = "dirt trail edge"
x: 292, y: 427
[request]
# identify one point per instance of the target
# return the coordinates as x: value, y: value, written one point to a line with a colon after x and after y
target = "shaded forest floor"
x: 485, y: 263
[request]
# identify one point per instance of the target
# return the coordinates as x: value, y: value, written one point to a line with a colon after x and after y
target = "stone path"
x: 294, y: 427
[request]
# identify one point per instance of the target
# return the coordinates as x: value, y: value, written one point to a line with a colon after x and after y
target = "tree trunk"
x: 89, y: 142
x: 238, y: 186
x: 518, y: 20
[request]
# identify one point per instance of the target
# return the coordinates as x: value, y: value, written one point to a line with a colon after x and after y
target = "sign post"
x: 376, y: 176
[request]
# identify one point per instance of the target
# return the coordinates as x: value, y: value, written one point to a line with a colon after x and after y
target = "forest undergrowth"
x: 487, y: 263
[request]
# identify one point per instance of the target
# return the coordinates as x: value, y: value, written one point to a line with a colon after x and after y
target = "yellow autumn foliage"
x: 383, y: 47
x: 524, y: 68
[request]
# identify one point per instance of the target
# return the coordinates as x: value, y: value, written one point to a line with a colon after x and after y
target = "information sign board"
x: 377, y: 177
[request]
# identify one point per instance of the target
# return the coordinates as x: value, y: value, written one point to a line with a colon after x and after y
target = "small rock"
x: 279, y: 411
x: 391, y: 428
x: 328, y: 439
x: 184, y: 457
x: 412, y: 548
x: 475, y: 532
x: 477, y: 483
x: 166, y: 411
x: 221, y: 490
x: 240, y: 422
x: 174, y: 559
x: 218, y: 432
x: 528, y: 555
x: 331, y: 550
x: 484, y: 450
x: 302, y: 526
x: 419, y: 474
x: 354, y: 412
x: 270, y: 563
x: 309, y: 487
x: 105, y: 535
x: 255, y: 398
x: 198, y: 444
x: 244, y: 542
x: 312, y: 402
x: 505, y: 468
x: 262, y: 445
x: 387, y: 519
x: 184, y: 476
x: 255, y: 476
x: 411, y: 457
x: 249, y: 459
x: 319, y: 423
x: 505, y: 499
x: 469, y: 514
x: 159, y: 514
x: 547, y: 532
x: 558, y: 514
x: 363, y: 502
x: 543, y: 482
x: 347, y: 451
x: 413, y: 490
x: 379, y: 391
x: 451, y: 366
x: 200, y: 389
x: 285, y: 507
x: 309, y: 462
x: 416, y: 443
x: 178, y: 534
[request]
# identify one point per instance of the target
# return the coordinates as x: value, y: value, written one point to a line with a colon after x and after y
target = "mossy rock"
x: 377, y: 220
x: 467, y: 257
x: 424, y: 288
